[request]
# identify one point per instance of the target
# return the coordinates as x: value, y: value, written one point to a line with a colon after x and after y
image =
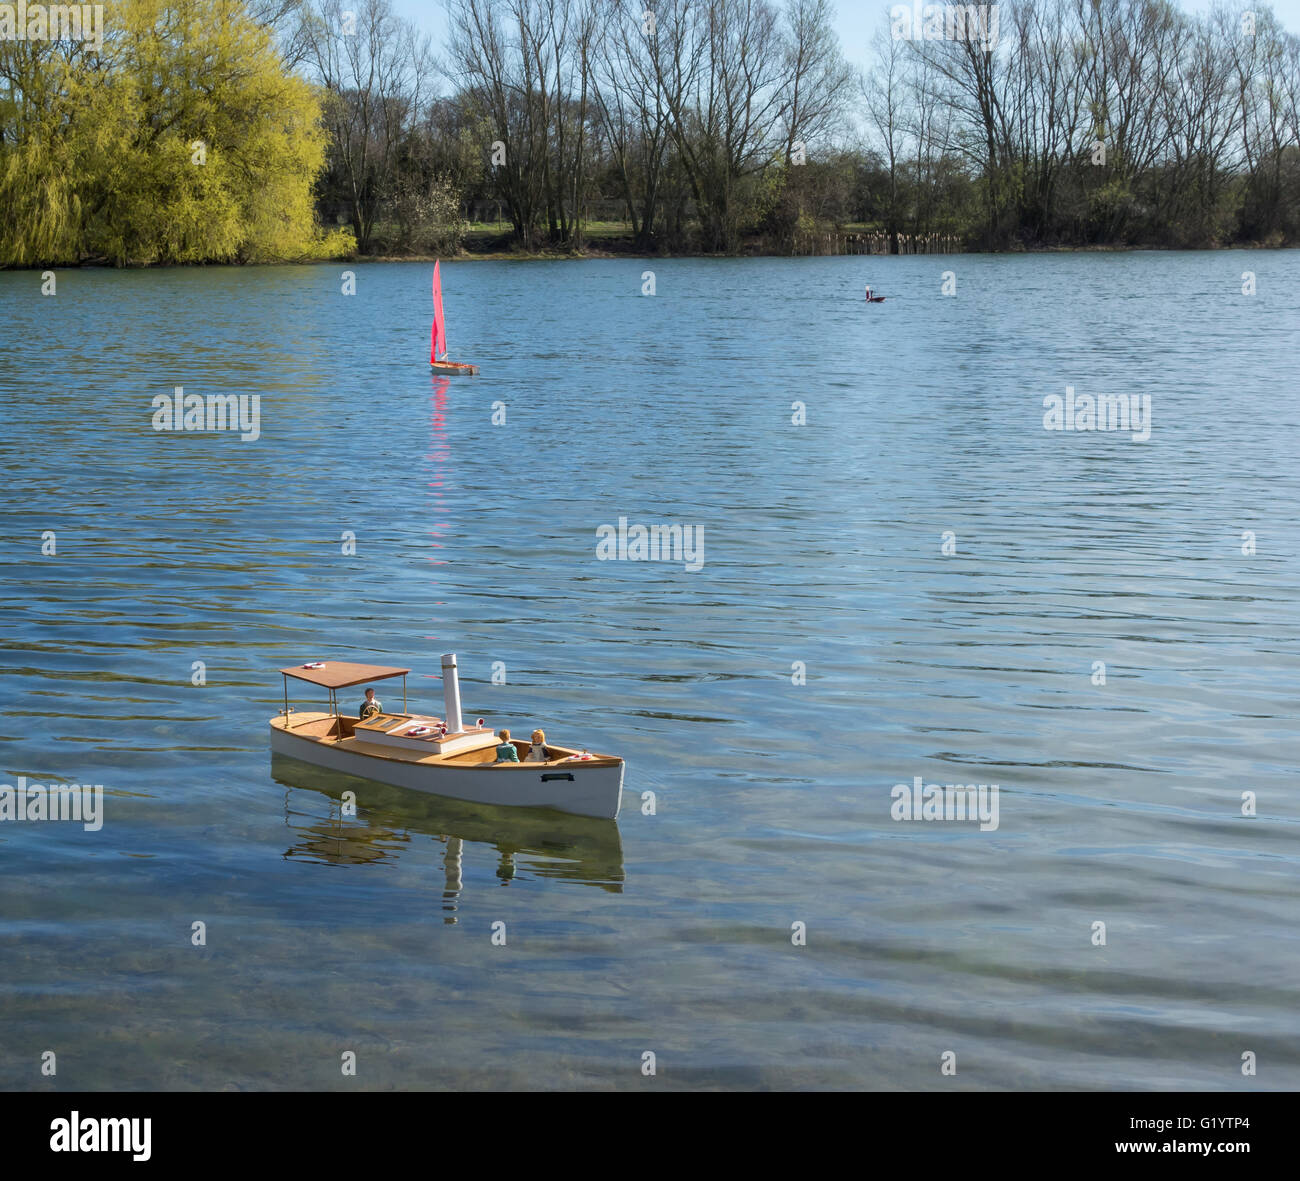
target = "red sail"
x: 438, y: 344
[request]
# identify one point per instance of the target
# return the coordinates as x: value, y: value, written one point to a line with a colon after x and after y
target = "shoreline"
x: 590, y: 254
x: 581, y: 255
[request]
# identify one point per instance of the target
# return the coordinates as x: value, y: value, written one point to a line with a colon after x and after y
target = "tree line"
x: 727, y: 125
x: 699, y: 125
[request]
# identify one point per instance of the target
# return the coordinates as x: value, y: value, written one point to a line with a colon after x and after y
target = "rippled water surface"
x: 1120, y: 803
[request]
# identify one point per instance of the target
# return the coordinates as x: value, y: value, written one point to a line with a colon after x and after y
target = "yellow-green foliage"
x: 184, y: 140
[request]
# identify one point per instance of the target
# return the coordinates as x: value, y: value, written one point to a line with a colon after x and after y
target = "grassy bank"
x: 615, y: 239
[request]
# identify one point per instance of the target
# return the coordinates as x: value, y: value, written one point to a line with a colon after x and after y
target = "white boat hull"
x: 568, y: 787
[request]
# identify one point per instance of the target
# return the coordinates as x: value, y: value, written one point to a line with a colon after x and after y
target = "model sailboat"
x: 438, y: 345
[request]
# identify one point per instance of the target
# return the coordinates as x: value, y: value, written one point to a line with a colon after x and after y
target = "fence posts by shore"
x: 874, y: 242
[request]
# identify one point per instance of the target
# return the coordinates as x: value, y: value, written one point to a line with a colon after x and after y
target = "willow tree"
x: 183, y: 140
x: 42, y: 149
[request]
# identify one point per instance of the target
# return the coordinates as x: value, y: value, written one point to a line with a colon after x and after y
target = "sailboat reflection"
x: 530, y: 843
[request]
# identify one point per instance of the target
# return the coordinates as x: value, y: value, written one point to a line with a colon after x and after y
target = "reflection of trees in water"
x: 527, y: 843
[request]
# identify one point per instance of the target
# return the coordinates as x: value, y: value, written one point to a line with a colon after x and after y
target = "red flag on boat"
x: 438, y: 345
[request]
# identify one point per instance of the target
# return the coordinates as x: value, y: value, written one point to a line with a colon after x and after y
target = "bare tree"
x: 818, y: 83
x: 722, y: 80
x: 1266, y: 79
x: 885, y: 93
x: 527, y: 65
x: 376, y: 69
x: 633, y: 116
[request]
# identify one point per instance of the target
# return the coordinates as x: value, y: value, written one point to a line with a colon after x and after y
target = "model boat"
x: 438, y: 345
x: 453, y: 369
x: 442, y: 756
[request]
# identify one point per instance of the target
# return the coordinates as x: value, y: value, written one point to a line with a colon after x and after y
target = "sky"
x: 857, y: 23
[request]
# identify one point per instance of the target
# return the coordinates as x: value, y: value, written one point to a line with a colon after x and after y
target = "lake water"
x: 823, y: 543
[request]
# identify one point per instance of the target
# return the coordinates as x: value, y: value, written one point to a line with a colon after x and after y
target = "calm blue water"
x: 823, y: 543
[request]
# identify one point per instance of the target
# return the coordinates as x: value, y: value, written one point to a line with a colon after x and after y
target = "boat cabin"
x: 400, y: 734
x: 400, y: 731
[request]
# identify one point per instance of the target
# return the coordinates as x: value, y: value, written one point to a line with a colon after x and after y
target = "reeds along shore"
x: 834, y: 242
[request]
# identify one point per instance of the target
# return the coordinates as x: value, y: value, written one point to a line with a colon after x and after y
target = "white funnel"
x: 451, y: 693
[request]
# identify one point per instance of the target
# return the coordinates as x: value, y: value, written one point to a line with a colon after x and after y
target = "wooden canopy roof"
x: 339, y: 674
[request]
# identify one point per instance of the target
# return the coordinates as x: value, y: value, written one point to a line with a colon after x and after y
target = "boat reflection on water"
x: 539, y: 843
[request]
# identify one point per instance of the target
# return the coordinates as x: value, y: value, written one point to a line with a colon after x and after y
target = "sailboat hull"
x: 453, y: 369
